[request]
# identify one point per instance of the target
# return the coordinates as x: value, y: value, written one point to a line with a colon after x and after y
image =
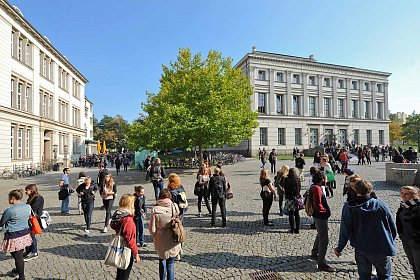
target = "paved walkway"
x: 244, y: 247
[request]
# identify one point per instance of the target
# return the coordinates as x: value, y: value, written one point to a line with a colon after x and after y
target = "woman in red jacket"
x: 123, y: 223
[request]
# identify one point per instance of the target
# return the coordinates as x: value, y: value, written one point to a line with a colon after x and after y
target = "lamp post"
x: 66, y: 149
x: 55, y: 149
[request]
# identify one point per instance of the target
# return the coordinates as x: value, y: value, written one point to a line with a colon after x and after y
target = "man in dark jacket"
x: 217, y: 189
x: 100, y: 179
x: 321, y: 214
x: 369, y: 225
x: 272, y: 158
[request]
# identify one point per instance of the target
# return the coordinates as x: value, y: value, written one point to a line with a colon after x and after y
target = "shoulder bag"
x: 34, y: 224
x: 178, y: 231
x: 118, y: 254
x: 229, y: 193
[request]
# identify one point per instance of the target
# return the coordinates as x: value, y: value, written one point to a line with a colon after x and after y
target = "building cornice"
x: 25, y: 24
x: 272, y: 59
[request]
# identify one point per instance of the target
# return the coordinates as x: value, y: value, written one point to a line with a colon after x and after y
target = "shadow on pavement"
x: 80, y: 251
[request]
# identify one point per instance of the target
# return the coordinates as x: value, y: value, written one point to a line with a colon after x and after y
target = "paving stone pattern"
x: 245, y: 246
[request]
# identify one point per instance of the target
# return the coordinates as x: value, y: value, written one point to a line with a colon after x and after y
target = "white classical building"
x: 303, y: 103
x: 44, y: 113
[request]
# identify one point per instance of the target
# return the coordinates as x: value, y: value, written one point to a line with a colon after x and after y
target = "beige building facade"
x: 44, y: 113
x: 304, y: 103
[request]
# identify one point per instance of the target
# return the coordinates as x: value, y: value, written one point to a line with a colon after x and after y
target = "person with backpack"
x: 217, y: 189
x: 157, y: 174
x: 36, y: 201
x: 321, y: 213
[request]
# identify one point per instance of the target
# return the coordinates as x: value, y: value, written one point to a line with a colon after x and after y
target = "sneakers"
x: 143, y: 245
x: 314, y: 257
x: 30, y: 256
x: 374, y: 272
x: 105, y: 230
x: 87, y: 232
x: 326, y: 268
x: 199, y: 214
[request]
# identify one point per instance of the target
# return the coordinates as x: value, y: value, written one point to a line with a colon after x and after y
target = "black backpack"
x: 218, y: 189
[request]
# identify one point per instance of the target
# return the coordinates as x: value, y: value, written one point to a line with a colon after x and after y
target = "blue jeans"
x: 87, y: 212
x: 366, y: 260
x: 158, y: 186
x: 33, y: 248
x: 139, y: 229
x: 65, y: 205
x: 167, y: 269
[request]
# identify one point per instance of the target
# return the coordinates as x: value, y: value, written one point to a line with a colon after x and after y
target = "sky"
x: 120, y: 46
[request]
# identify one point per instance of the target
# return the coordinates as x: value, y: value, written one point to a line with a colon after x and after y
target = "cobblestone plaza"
x: 245, y: 246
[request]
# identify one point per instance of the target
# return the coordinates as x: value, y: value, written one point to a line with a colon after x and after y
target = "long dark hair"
x: 293, y: 180
x: 34, y: 192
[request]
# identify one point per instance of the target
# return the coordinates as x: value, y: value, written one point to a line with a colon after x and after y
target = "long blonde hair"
x: 127, y: 203
x: 110, y: 183
x: 264, y: 174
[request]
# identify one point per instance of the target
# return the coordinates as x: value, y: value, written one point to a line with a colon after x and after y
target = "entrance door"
x: 313, y: 137
x: 328, y: 138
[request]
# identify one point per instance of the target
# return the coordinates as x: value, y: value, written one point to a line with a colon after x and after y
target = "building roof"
x: 17, y: 15
x: 307, y: 61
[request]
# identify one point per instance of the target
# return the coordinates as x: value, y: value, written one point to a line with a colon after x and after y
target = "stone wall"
x: 403, y: 173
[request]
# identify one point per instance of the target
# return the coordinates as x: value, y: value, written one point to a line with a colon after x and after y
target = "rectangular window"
x: 28, y: 99
x: 20, y: 45
x: 261, y: 103
x: 327, y: 109
x: 28, y: 144
x: 298, y: 136
x: 342, y: 136
x: 367, y: 109
x: 367, y: 86
x: 340, y: 83
x: 296, y: 79
x: 353, y: 84
x: 44, y: 67
x: 279, y: 99
x: 44, y: 105
x: 356, y: 136
x: 311, y: 80
x: 28, y: 55
x: 19, y: 96
x: 12, y: 142
x: 12, y: 83
x: 354, y: 108
x: 379, y: 87
x: 20, y: 143
x: 279, y: 77
x: 369, y: 137
x: 340, y: 108
x: 311, y: 106
x: 296, y: 105
x: 12, y: 42
x: 379, y: 110
x: 51, y: 108
x: 281, y: 136
x: 261, y: 75
x: 313, y: 137
x: 381, y: 137
x: 263, y: 136
x: 327, y: 82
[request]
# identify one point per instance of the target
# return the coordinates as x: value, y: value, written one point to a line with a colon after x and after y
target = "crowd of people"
x: 366, y: 221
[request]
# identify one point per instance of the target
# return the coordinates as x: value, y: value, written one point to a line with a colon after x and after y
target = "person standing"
x: 179, y: 196
x: 126, y: 162
x: 267, y: 195
x: 36, y: 201
x: 300, y: 164
x: 317, y: 160
x: 160, y: 217
x: 140, y: 211
x: 369, y: 225
x: 321, y: 215
x: 408, y: 226
x: 118, y: 164
x: 263, y: 158
x: 203, y: 179
x: 344, y: 159
x: 279, y: 184
x: 157, y: 174
x: 16, y: 231
x: 87, y: 196
x: 147, y: 162
x: 273, y: 160
x: 109, y: 192
x: 123, y: 223
x: 65, y: 185
x: 217, y: 189
x: 292, y: 187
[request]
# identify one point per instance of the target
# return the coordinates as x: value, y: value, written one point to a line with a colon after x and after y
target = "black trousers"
x: 267, y: 202
x: 206, y: 200
x: 19, y: 263
x: 222, y: 204
x: 124, y: 274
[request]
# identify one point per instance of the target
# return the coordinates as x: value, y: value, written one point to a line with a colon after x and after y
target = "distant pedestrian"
x: 157, y: 173
x: 140, y: 211
x: 36, y: 201
x: 272, y: 158
x: 87, y: 194
x: 300, y: 165
x: 118, y: 164
x: 203, y: 179
x: 263, y: 158
x: 217, y: 189
x: 108, y: 194
x: 126, y: 162
x: 65, y: 187
x: 80, y: 180
x: 267, y: 195
x: 16, y: 231
x: 317, y: 160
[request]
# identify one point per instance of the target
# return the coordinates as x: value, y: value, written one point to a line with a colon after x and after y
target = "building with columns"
x: 45, y: 116
x: 303, y: 103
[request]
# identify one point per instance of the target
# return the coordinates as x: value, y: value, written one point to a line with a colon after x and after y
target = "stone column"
x: 347, y: 109
x: 289, y: 99
x: 320, y: 111
x: 334, y: 98
x: 386, y: 112
x: 305, y: 100
x: 361, y: 113
x: 374, y: 105
x: 271, y: 106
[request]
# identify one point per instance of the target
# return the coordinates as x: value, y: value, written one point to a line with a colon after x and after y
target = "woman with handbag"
x: 267, y: 195
x: 279, y: 184
x: 160, y: 228
x: 80, y: 181
x: 87, y: 196
x: 122, y: 222
x: 109, y: 191
x: 292, y: 188
x: 203, y: 179
x: 326, y: 167
x: 36, y: 201
x: 16, y: 231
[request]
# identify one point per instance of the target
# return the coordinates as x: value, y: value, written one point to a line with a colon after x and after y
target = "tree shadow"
x: 79, y: 251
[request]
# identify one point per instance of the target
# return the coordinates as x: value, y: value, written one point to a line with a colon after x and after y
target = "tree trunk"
x: 200, y: 155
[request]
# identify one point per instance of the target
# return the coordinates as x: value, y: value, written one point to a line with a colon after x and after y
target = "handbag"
x: 300, y: 202
x: 34, y: 224
x: 198, y: 190
x: 229, y: 193
x: 63, y: 194
x: 178, y: 231
x: 330, y: 176
x: 118, y: 254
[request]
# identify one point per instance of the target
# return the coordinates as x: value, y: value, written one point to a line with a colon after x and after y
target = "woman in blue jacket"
x: 17, y: 234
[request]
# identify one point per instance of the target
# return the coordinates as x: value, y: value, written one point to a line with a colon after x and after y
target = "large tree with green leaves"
x: 112, y: 130
x: 201, y: 103
x: 411, y: 129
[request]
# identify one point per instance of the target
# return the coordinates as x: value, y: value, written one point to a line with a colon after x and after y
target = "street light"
x: 55, y: 149
x: 66, y: 149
